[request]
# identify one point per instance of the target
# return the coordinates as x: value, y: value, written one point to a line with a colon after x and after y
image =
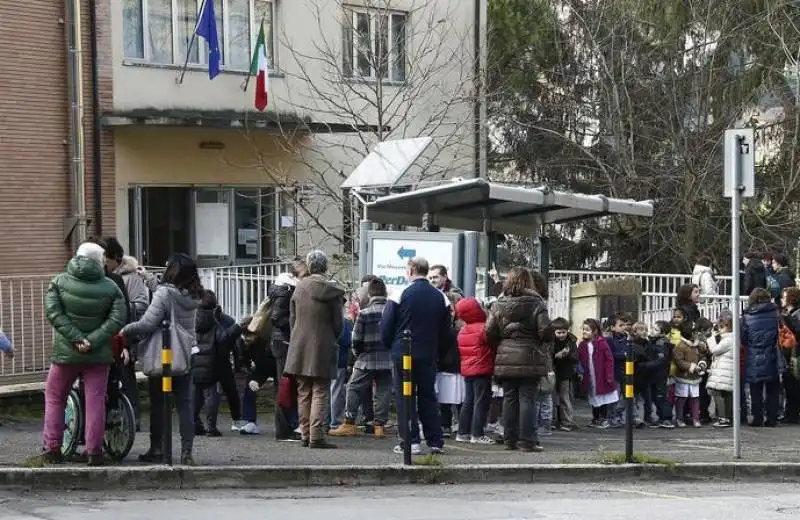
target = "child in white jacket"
x: 720, y: 380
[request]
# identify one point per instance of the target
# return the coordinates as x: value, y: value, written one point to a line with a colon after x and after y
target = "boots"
x: 347, y: 429
x: 380, y: 432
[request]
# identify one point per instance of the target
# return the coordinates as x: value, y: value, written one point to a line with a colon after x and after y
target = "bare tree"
x: 394, y: 69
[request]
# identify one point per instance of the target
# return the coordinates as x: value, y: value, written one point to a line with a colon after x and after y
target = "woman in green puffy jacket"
x: 86, y: 310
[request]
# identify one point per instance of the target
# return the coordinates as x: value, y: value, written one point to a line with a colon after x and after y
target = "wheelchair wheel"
x: 73, y: 424
x: 120, y: 428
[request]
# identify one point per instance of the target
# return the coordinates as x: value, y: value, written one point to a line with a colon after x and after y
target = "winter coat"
x: 84, y: 304
x: 477, y: 358
x: 690, y: 311
x: 138, y: 293
x: 603, y: 362
x: 422, y: 309
x: 257, y: 359
x: 280, y: 294
x: 517, y: 328
x: 448, y: 359
x: 755, y: 275
x: 760, y: 335
x: 166, y: 299
x: 721, y: 374
x: 315, y: 317
x: 686, y: 356
x: 370, y: 351
x: 656, y: 367
x: 214, y: 344
x: 619, y: 347
x: 565, y: 366
x: 785, y: 278
x: 703, y: 277
x: 642, y: 355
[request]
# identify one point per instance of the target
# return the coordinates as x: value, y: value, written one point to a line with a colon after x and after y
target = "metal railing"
x: 241, y: 288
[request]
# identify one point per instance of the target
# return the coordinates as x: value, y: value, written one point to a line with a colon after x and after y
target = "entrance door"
x: 166, y: 224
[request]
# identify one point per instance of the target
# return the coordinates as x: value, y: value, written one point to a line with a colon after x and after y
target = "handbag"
x: 287, y: 392
x: 181, y: 343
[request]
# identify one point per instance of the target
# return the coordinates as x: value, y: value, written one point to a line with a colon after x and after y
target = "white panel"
x: 387, y: 163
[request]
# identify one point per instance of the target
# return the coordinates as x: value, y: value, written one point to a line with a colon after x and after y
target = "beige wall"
x: 172, y: 156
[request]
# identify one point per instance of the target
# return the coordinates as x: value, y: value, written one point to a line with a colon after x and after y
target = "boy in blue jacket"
x: 619, y: 341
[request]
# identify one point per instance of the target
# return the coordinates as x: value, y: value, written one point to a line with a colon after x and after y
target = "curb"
x: 265, y: 477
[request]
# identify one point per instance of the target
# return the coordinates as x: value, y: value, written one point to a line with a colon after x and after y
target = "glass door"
x: 246, y: 208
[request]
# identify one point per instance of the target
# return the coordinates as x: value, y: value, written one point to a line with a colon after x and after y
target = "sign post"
x: 739, y: 182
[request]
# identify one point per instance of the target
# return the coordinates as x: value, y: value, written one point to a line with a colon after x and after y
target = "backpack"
x: 773, y: 286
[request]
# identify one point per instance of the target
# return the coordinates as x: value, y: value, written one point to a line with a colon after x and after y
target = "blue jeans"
x: 424, y: 406
x: 475, y: 407
x: 543, y: 411
x: 338, y: 401
x: 249, y: 398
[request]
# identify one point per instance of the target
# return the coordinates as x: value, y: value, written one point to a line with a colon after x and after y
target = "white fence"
x: 241, y: 288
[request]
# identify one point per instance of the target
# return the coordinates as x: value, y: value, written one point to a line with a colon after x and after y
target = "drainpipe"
x: 97, y: 163
x: 78, y: 223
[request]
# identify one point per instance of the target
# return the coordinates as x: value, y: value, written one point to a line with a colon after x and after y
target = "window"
x: 160, y: 31
x: 374, y: 44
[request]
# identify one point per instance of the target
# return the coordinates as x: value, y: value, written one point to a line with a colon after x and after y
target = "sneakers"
x: 378, y: 432
x: 292, y: 437
x: 697, y: 424
x: 603, y: 425
x: 463, y: 438
x: 667, y: 425
x: 345, y: 430
x: 447, y: 432
x: 567, y: 428
x: 544, y: 432
x: 721, y: 423
x: 436, y: 450
x: 495, y: 428
x: 237, y: 425
x: 480, y: 440
x: 531, y: 448
x: 680, y: 424
x: 250, y: 428
x: 416, y: 449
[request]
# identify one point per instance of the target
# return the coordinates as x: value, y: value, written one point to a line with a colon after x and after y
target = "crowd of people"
x: 483, y: 372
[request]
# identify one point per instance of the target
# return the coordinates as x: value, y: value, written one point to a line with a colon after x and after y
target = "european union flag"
x: 207, y: 29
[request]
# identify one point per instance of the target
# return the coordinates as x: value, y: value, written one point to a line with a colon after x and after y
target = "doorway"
x: 165, y: 224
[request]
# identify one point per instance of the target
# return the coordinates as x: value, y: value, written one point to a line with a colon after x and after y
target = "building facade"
x: 174, y: 161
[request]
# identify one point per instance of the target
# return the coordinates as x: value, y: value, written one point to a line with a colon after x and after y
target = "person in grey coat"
x: 316, y: 320
x: 181, y: 290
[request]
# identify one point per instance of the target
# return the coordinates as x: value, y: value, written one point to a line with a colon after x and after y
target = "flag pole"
x: 260, y: 28
x: 179, y: 79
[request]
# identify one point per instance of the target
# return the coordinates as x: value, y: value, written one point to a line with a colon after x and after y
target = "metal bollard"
x: 407, y: 397
x: 629, y: 404
x: 166, y: 391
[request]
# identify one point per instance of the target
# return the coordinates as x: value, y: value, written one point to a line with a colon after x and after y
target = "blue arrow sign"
x: 406, y: 253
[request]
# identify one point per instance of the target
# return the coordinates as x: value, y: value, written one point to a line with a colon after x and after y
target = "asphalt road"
x: 712, y: 501
x: 19, y: 440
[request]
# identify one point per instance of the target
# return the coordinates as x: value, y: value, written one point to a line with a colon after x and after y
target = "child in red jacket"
x: 477, y: 366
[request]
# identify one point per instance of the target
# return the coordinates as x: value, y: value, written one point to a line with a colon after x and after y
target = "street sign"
x: 388, y: 254
x: 740, y: 162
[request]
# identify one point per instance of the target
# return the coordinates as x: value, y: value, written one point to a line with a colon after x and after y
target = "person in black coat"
x: 755, y: 274
x: 211, y: 365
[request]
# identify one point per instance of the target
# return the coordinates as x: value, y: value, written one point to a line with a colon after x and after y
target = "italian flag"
x: 258, y: 68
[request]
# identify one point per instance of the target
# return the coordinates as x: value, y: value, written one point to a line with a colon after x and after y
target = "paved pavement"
x: 546, y: 502
x: 18, y: 440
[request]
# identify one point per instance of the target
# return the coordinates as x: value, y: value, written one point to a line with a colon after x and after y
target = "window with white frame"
x: 374, y: 45
x: 160, y: 31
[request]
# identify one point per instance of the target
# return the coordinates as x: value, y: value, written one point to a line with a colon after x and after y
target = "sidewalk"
x: 19, y: 440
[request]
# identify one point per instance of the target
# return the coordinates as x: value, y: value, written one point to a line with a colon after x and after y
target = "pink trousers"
x: 59, y: 382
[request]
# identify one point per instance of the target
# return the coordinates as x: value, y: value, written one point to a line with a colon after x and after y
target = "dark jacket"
x: 690, y: 311
x: 517, y: 328
x: 257, y: 360
x: 316, y: 323
x: 420, y: 309
x: 449, y: 359
x: 755, y: 275
x: 281, y: 296
x: 345, y: 342
x: 565, y: 366
x: 642, y: 354
x: 785, y: 278
x: 656, y: 366
x: 214, y: 343
x: 619, y: 346
x: 760, y: 335
x: 84, y: 304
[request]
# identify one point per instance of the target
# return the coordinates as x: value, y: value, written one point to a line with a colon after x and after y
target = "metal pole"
x: 629, y: 404
x: 483, y: 56
x: 407, y: 398
x: 736, y: 259
x: 166, y: 391
x: 77, y: 139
